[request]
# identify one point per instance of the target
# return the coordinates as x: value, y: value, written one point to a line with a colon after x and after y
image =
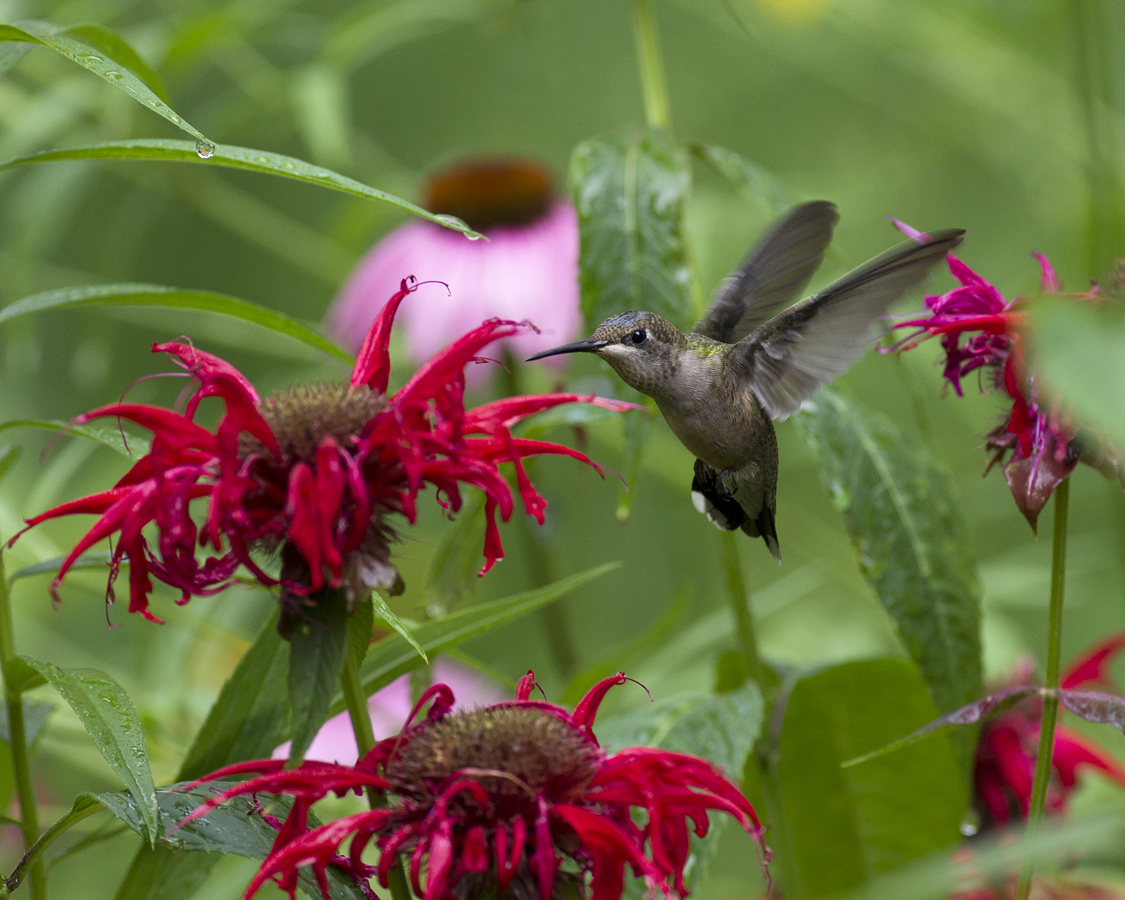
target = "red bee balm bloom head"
x: 313, y: 473
x: 981, y: 331
x: 516, y: 799
x: 1004, y: 766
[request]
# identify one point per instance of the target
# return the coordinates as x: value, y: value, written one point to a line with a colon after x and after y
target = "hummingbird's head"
x: 643, y: 348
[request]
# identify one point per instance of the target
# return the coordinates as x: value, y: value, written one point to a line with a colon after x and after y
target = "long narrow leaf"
x: 76, y: 45
x: 155, y: 295
x: 239, y: 158
x: 107, y: 437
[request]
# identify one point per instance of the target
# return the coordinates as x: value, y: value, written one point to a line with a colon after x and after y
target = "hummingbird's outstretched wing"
x: 773, y: 273
x: 801, y: 349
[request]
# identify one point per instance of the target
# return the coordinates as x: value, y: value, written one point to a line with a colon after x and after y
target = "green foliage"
x: 107, y: 714
x: 263, y: 161
x: 119, y: 64
x: 630, y: 194
x: 190, y: 849
x: 316, y: 659
x: 157, y: 296
x: 842, y: 826
x: 910, y: 540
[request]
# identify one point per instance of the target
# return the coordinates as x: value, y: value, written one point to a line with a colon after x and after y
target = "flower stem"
x: 657, y: 113
x: 1051, y: 694
x: 17, y: 734
x: 740, y: 605
x: 356, y: 702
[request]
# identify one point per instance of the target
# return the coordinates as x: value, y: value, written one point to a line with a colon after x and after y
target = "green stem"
x: 740, y: 605
x: 34, y: 856
x: 17, y: 733
x: 657, y: 113
x: 1051, y: 694
x: 356, y: 702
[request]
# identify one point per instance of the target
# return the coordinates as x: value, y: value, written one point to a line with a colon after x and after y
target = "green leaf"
x: 158, y: 296
x: 837, y: 827
x: 115, y: 65
x: 911, y: 541
x: 721, y: 728
x: 387, y: 615
x: 630, y: 194
x: 108, y: 716
x: 389, y: 659
x: 236, y: 827
x: 1079, y: 350
x: 51, y: 566
x: 748, y: 176
x: 250, y: 717
x: 986, y: 708
x: 135, y: 448
x: 239, y: 158
x: 316, y: 661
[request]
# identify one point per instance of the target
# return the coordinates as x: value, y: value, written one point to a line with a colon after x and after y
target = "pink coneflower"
x: 527, y: 269
x: 314, y: 473
x: 981, y: 332
x: 511, y: 800
x: 1004, y: 766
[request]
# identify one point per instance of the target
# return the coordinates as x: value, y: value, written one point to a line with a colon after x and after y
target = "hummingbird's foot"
x: 725, y: 482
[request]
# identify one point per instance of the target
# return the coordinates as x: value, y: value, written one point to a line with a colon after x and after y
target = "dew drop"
x: 90, y: 60
x: 114, y: 74
x: 204, y: 149
x: 261, y: 159
x: 970, y: 823
x: 176, y: 120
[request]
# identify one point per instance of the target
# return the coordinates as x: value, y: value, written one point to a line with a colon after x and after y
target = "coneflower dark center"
x: 490, y: 193
x: 302, y: 417
x: 538, y: 754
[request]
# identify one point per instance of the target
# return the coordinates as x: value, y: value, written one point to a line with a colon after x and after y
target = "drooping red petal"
x: 1092, y: 667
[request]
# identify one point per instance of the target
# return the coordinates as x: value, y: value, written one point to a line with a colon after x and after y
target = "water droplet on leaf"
x: 970, y: 823
x: 204, y: 149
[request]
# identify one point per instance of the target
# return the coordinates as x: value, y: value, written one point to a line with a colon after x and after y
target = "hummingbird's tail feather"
x: 764, y: 527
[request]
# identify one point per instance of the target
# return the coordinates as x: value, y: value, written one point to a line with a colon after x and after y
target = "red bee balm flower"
x: 516, y: 797
x: 1004, y: 766
x: 1045, y: 445
x: 312, y: 473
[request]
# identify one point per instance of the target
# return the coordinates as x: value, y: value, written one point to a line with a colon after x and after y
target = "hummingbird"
x: 756, y: 356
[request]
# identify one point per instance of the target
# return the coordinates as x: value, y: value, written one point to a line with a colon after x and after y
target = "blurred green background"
x: 943, y: 113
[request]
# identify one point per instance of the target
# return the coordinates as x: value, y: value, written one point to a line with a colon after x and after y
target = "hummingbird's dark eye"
x: 638, y: 337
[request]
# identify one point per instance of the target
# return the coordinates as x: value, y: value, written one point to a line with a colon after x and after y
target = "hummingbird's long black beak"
x: 587, y: 346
